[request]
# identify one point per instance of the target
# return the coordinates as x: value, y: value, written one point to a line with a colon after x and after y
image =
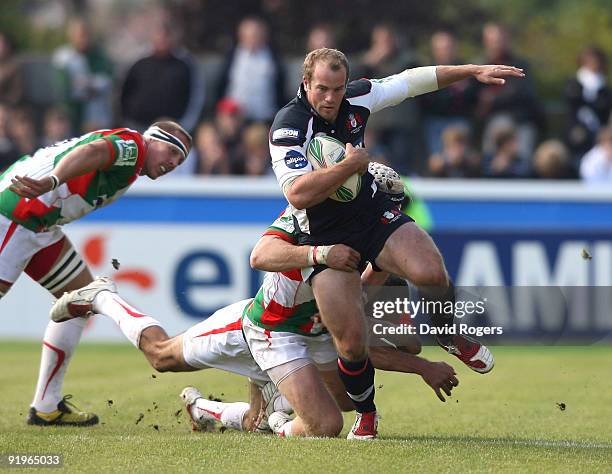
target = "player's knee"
x: 328, y: 425
x: 158, y: 357
x: 432, y: 276
x: 160, y: 364
x: 352, y: 348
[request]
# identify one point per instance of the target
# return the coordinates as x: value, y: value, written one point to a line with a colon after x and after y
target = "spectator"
x: 397, y: 126
x: 213, y: 158
x: 11, y: 75
x: 552, y: 161
x: 589, y: 101
x: 506, y: 160
x: 596, y: 165
x: 321, y: 36
x: 229, y: 123
x: 166, y: 83
x: 23, y: 131
x: 56, y: 126
x: 256, y: 150
x: 85, y: 79
x: 453, y: 105
x: 515, y: 101
x: 8, y: 150
x: 457, y: 159
x: 252, y: 73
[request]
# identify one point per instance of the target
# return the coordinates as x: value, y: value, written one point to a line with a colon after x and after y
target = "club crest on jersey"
x: 354, y: 123
x: 295, y: 160
x: 390, y: 216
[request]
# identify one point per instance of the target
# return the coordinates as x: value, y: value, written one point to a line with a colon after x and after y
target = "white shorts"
x: 18, y: 245
x: 218, y: 342
x: 274, y: 348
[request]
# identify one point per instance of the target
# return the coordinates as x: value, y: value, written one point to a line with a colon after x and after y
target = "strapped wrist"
x: 317, y: 254
x: 55, y: 182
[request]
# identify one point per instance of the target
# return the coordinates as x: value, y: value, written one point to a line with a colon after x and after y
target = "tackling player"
x: 282, y: 332
x: 56, y: 185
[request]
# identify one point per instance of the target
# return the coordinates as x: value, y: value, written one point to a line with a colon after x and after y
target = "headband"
x: 157, y: 133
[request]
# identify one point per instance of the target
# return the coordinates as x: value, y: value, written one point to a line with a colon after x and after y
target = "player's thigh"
x: 309, y: 397
x: 339, y: 299
x: 59, y: 268
x: 412, y: 254
x: 18, y: 245
x: 218, y: 342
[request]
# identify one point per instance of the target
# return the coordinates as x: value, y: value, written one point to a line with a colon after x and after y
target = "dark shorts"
x: 370, y: 242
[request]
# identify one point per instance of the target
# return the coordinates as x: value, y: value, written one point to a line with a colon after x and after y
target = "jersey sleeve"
x: 288, y: 151
x: 126, y: 150
x: 283, y: 227
x: 377, y: 94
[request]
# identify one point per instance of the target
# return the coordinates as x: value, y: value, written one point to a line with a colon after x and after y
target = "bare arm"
x: 273, y: 254
x: 315, y: 187
x: 371, y: 281
x: 488, y: 74
x: 80, y: 161
x: 438, y: 375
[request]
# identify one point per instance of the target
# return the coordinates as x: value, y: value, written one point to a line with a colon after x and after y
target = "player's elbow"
x: 411, y: 345
x: 297, y: 199
x: 256, y: 259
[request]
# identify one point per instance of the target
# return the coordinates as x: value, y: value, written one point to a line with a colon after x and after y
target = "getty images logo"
x: 295, y: 160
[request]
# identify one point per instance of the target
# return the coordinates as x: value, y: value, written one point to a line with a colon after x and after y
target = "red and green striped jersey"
x: 78, y: 196
x: 285, y: 302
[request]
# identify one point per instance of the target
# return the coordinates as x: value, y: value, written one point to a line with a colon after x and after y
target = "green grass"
x: 507, y: 420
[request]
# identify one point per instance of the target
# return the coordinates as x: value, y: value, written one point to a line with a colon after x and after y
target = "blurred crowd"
x: 468, y: 130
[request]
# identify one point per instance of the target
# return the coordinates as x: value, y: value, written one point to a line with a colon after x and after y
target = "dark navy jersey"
x: 297, y: 123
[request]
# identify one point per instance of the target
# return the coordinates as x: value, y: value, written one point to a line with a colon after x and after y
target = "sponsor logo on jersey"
x: 295, y: 160
x: 282, y: 133
x: 127, y: 153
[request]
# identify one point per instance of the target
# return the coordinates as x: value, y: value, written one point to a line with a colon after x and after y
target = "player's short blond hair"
x: 335, y: 60
x: 174, y: 128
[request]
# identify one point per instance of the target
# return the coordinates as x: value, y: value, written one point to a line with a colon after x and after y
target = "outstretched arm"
x: 422, y: 80
x: 487, y: 74
x: 273, y: 254
x: 80, y: 161
x: 438, y: 375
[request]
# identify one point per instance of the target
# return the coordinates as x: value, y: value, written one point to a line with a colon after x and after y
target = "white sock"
x: 230, y: 415
x: 233, y: 415
x: 129, y: 319
x: 59, y: 343
x: 286, y: 430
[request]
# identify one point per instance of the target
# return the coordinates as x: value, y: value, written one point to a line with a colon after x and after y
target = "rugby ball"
x: 323, y: 152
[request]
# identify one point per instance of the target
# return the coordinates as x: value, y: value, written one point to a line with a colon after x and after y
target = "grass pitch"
x: 508, y: 420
